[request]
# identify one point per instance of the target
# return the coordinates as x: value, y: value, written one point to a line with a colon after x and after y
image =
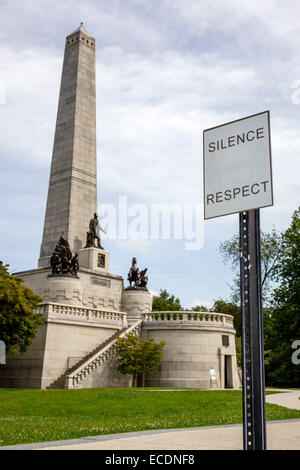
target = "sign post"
x: 238, y: 179
x: 254, y: 429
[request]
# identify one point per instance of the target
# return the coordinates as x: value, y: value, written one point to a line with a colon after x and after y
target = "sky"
x: 165, y: 71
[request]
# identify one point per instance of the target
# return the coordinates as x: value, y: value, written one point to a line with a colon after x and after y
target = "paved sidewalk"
x: 281, y: 435
x: 289, y: 399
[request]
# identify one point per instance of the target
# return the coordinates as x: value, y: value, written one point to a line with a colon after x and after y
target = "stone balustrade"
x: 50, y: 310
x: 190, y: 318
x: 108, y: 352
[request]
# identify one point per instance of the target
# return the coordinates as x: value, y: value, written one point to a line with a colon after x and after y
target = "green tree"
x: 270, y: 254
x: 230, y: 308
x: 137, y: 356
x: 200, y: 308
x: 165, y: 302
x: 285, y: 311
x: 18, y: 321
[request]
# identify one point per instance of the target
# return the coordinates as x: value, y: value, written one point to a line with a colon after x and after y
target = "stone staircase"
x: 60, y: 382
x: 95, y: 358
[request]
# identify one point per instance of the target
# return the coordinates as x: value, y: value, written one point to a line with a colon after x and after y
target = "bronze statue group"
x: 138, y: 278
x: 62, y: 261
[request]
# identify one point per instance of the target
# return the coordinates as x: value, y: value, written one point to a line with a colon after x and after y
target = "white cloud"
x: 157, y: 109
x: 165, y: 71
x: 154, y: 293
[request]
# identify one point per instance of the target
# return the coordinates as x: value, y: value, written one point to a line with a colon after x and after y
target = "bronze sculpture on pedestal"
x: 94, y: 233
x: 137, y: 277
x: 62, y: 262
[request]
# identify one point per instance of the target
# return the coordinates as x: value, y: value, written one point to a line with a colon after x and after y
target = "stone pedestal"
x: 94, y: 289
x: 95, y: 259
x: 135, y: 302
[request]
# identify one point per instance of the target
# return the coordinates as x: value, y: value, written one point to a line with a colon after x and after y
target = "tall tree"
x: 230, y: 308
x: 165, y: 302
x: 18, y: 320
x: 270, y: 254
x: 285, y: 310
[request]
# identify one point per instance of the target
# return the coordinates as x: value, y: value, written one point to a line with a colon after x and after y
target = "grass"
x: 46, y: 415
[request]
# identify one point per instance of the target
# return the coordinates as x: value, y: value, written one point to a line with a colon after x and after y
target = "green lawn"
x: 46, y: 415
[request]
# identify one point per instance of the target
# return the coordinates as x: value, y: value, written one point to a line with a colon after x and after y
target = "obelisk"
x: 72, y: 194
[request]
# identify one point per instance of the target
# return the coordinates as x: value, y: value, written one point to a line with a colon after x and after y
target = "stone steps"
x: 92, y: 365
x: 59, y: 383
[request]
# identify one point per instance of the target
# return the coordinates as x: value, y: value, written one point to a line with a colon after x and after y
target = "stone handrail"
x: 99, y: 358
x: 51, y: 309
x: 203, y: 318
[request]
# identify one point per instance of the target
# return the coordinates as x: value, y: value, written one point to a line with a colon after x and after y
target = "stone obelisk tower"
x: 72, y: 194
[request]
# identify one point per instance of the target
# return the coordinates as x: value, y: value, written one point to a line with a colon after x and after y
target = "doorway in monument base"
x: 228, y: 381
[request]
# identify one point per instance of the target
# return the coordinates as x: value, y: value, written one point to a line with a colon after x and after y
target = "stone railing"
x: 191, y: 318
x: 108, y: 352
x: 50, y: 310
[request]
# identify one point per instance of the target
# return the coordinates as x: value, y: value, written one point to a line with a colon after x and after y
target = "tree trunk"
x: 133, y: 380
x: 143, y: 380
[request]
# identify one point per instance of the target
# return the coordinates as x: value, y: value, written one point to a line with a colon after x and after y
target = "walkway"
x: 288, y: 398
x: 281, y: 435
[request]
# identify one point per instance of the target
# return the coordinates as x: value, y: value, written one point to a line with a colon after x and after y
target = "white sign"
x: 237, y: 166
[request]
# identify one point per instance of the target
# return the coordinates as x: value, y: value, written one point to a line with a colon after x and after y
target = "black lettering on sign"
x: 236, y: 193
x: 265, y: 184
x: 240, y: 138
x: 260, y: 133
x: 211, y: 147
x: 252, y: 191
x: 219, y: 196
x: 231, y: 142
x: 244, y: 189
x: 227, y: 194
x: 237, y: 139
x: 250, y: 132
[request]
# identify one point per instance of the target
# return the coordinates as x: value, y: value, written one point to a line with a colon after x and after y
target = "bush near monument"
x: 137, y: 356
x: 18, y: 321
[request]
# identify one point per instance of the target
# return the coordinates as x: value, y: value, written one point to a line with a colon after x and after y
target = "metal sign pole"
x: 254, y: 421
